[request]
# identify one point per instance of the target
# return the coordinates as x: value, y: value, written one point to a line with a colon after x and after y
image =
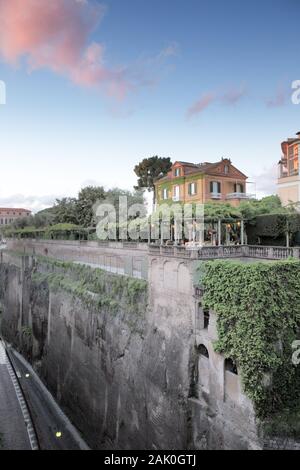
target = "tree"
x: 136, y: 197
x: 65, y: 211
x: 266, y: 205
x: 149, y: 169
x: 87, y: 198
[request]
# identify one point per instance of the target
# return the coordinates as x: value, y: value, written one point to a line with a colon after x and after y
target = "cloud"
x: 278, y: 100
x: 171, y: 50
x: 33, y: 203
x: 56, y: 35
x: 266, y: 181
x: 200, y: 105
x: 233, y: 96
x: 229, y: 98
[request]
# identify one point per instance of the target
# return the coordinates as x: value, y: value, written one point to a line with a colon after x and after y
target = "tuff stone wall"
x: 127, y: 379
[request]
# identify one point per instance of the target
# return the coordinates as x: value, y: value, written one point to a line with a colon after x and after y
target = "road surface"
x: 13, y: 430
x: 52, y: 429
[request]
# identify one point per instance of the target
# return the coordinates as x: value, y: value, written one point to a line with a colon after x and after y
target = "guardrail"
x: 219, y: 252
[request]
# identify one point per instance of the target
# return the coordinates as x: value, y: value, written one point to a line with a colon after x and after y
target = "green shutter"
x: 219, y: 187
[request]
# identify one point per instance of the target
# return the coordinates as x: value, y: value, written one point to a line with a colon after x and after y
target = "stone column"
x: 219, y: 232
x: 242, y: 233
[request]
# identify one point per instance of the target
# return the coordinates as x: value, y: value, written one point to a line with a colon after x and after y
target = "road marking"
x: 19, y: 394
x: 3, y: 357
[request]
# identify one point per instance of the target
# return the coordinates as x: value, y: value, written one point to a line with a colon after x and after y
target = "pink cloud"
x: 279, y: 99
x: 200, y: 105
x: 55, y: 35
x: 233, y: 96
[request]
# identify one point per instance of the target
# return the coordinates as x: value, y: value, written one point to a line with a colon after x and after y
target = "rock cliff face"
x: 121, y: 355
x: 115, y: 373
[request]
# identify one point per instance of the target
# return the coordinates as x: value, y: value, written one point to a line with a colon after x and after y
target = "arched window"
x: 230, y: 366
x: 202, y: 350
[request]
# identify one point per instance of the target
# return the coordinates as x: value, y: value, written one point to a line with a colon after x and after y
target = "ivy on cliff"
x: 258, y: 318
x: 94, y: 286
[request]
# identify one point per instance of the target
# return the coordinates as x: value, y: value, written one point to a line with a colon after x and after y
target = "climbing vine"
x: 258, y: 318
x: 94, y: 287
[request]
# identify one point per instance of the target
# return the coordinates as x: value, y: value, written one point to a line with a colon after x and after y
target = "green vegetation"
x: 95, y: 287
x: 150, y: 169
x: 272, y: 229
x: 26, y: 331
x: 78, y: 212
x: 258, y: 318
x: 55, y: 232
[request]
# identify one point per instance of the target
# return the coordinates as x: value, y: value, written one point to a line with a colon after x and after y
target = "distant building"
x: 9, y: 215
x: 202, y: 182
x: 288, y: 171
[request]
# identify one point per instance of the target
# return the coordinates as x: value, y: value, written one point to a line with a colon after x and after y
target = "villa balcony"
x: 216, y: 195
x: 240, y: 196
x: 286, y: 174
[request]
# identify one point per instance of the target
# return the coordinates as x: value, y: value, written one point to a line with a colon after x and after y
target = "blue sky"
x: 204, y: 80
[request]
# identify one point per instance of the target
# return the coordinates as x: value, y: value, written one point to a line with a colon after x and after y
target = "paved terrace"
x: 131, y: 259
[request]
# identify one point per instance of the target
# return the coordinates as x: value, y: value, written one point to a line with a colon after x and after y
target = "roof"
x: 207, y: 168
x: 16, y: 209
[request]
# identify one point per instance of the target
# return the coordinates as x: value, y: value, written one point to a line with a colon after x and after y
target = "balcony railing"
x: 231, y: 251
x: 216, y: 195
x: 240, y: 196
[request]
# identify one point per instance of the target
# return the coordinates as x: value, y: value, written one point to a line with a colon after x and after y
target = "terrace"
x: 223, y: 252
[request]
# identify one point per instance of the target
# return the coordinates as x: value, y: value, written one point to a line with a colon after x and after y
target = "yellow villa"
x: 202, y: 182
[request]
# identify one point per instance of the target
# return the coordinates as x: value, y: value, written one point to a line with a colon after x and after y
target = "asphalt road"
x: 53, y: 428
x: 13, y: 430
x: 29, y: 415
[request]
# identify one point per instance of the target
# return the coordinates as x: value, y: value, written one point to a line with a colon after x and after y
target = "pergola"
x: 194, y: 233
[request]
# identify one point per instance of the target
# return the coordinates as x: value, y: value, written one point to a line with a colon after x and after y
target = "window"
x: 202, y: 350
x: 206, y: 318
x: 192, y: 189
x: 230, y: 366
x: 165, y: 193
x: 177, y: 172
x: 238, y: 188
x: 215, y: 187
x: 176, y: 193
x: 226, y: 169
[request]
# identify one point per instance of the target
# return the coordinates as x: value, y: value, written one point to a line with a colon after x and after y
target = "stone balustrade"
x: 219, y: 252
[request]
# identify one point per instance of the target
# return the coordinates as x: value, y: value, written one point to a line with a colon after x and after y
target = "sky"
x: 93, y: 87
